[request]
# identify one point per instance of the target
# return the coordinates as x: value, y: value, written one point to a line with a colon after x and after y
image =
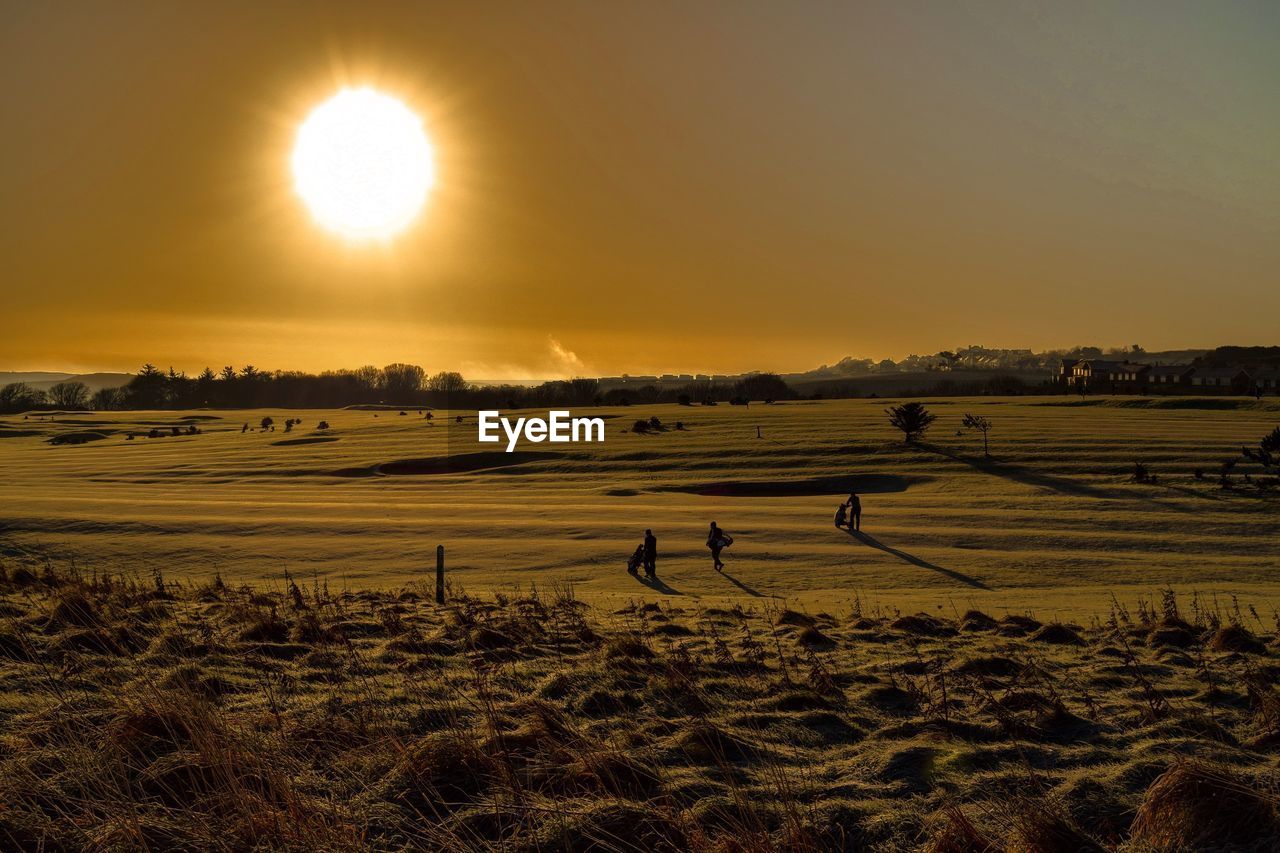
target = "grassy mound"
x: 177, y: 717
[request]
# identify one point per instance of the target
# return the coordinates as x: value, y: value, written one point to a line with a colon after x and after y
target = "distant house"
x: 1064, y: 370
x: 1093, y: 371
x: 1102, y: 375
x: 1167, y: 377
x: 1130, y: 375
x: 1265, y: 380
x: 1106, y: 376
x: 1226, y: 380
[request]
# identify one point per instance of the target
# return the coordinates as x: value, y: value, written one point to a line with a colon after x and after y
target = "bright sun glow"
x: 363, y: 164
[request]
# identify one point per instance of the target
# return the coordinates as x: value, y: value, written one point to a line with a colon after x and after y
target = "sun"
x: 363, y: 164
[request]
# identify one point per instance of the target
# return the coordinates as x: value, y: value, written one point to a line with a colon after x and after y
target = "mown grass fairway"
x: 1051, y: 522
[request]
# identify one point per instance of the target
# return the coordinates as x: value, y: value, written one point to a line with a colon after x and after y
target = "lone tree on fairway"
x: 983, y: 426
x: 912, y: 418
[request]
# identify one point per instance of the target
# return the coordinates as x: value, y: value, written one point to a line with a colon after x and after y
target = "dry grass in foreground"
x: 153, y: 716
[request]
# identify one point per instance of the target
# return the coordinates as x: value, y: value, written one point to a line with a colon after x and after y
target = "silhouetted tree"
x: 583, y: 391
x: 402, y: 382
x: 447, y: 382
x: 912, y: 418
x: 147, y: 390
x: 19, y: 397
x: 982, y: 425
x: 205, y: 387
x: 1266, y: 454
x: 1142, y: 474
x: 763, y: 386
x: 180, y: 390
x: 107, y: 399
x: 267, y: 423
x: 69, y: 395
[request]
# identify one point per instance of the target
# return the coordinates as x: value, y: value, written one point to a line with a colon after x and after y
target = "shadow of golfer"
x: 868, y: 539
x: 742, y: 586
x: 658, y: 585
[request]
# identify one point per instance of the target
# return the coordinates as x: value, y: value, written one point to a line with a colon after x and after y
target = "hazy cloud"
x: 565, y: 360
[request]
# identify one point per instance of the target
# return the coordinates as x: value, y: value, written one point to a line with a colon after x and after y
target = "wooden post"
x: 758, y: 435
x: 439, y: 574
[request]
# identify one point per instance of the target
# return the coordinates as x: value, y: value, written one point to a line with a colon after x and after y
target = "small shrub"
x: 1234, y: 638
x: 1059, y: 635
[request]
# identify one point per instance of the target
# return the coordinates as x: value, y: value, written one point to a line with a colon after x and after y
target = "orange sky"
x: 642, y: 187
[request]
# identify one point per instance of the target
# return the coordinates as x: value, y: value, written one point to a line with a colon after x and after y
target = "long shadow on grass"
x: 1061, y: 485
x: 1021, y: 474
x: 1192, y: 493
x: 742, y: 586
x: 658, y: 585
x: 868, y: 539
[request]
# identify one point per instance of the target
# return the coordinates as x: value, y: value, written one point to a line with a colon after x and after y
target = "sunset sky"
x: 641, y: 187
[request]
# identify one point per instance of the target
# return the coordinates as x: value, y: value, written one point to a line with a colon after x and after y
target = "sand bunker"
x: 813, y: 487
x: 77, y: 437
x: 463, y: 463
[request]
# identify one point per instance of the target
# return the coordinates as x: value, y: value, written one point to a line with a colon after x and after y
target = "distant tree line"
x: 997, y: 384
x: 1233, y: 355
x: 21, y: 397
x: 401, y: 385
